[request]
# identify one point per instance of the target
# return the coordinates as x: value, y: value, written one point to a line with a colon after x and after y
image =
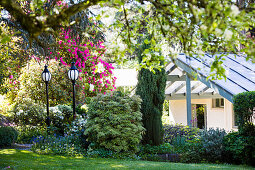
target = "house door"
x: 199, y: 116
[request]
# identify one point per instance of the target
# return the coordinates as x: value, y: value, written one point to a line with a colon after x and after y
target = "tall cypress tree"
x: 151, y: 88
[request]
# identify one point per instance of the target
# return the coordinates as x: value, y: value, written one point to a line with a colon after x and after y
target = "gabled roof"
x: 240, y: 78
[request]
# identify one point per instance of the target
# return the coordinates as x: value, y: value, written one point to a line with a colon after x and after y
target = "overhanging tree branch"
x: 34, y: 25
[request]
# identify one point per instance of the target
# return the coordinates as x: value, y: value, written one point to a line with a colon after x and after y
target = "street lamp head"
x: 46, y: 76
x: 73, y: 73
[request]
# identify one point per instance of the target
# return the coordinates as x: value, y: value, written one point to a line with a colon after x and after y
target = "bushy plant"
x: 212, y: 144
x: 28, y: 113
x: 81, y: 109
x: 4, y: 120
x: 77, y: 129
x: 234, y: 145
x: 244, y: 104
x: 114, y: 123
x: 104, y: 153
x: 239, y: 147
x: 207, y: 147
x: 175, y: 132
x: 57, y: 145
x: 8, y: 136
x: 27, y: 133
x: 161, y: 149
x: 30, y: 85
x: 60, y: 116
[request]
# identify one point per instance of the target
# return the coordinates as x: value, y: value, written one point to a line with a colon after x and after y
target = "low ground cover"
x: 22, y: 159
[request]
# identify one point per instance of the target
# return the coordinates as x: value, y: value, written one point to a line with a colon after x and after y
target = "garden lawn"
x: 22, y: 159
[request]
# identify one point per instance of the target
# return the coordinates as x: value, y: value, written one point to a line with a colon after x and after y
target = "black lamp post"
x: 46, y: 76
x: 73, y: 74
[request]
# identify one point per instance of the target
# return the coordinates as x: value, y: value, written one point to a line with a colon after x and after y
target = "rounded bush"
x: 115, y: 123
x: 8, y: 135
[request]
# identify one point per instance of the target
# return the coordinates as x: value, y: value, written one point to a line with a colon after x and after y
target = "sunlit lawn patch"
x: 21, y: 159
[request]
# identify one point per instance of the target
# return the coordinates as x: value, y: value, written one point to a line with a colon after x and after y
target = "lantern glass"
x: 46, y: 76
x: 73, y: 74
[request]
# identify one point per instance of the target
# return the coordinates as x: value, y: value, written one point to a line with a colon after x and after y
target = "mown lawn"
x: 21, y: 159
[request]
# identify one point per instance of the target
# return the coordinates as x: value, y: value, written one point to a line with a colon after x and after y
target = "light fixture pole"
x: 46, y: 76
x: 73, y: 74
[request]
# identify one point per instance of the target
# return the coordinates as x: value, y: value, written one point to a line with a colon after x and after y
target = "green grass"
x: 21, y: 159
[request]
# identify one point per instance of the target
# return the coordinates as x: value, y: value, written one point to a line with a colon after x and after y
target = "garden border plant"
x: 114, y: 123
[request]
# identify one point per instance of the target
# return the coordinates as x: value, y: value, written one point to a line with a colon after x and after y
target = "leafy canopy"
x: 192, y: 27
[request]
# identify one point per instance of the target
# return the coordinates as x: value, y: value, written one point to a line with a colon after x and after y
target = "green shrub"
x: 172, y: 132
x: 234, y: 145
x: 8, y: 135
x: 60, y: 117
x: 239, y: 147
x: 28, y: 113
x: 57, y: 145
x: 208, y: 147
x: 244, y: 104
x: 191, y: 152
x: 27, y: 133
x: 32, y: 87
x: 212, y: 144
x: 104, y: 153
x: 161, y: 149
x: 77, y: 128
x: 114, y: 123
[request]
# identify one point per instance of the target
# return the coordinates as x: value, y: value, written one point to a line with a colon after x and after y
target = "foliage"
x: 208, y: 146
x: 27, y: 133
x: 151, y: 89
x: 67, y: 145
x: 27, y: 113
x: 4, y: 121
x: 95, y: 73
x: 161, y: 149
x: 178, y: 132
x: 60, y: 117
x: 103, y: 153
x: 29, y: 85
x: 240, y: 147
x: 13, y: 56
x: 191, y: 152
x: 8, y: 135
x: 234, y: 149
x: 114, y: 123
x: 206, y: 26
x: 72, y: 143
x: 208, y: 29
x: 244, y: 104
x: 212, y: 144
x: 77, y: 128
x: 81, y: 109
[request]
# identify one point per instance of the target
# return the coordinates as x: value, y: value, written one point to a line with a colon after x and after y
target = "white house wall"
x: 216, y: 117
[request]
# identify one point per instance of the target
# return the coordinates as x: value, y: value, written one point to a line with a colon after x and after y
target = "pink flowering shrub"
x: 95, y: 73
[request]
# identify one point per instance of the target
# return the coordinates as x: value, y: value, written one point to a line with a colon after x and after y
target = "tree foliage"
x: 151, y: 89
x: 192, y: 27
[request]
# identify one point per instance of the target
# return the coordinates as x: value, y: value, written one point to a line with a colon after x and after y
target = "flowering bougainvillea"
x: 95, y: 73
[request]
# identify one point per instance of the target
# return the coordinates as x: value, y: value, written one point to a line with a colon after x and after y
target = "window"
x: 218, y: 103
